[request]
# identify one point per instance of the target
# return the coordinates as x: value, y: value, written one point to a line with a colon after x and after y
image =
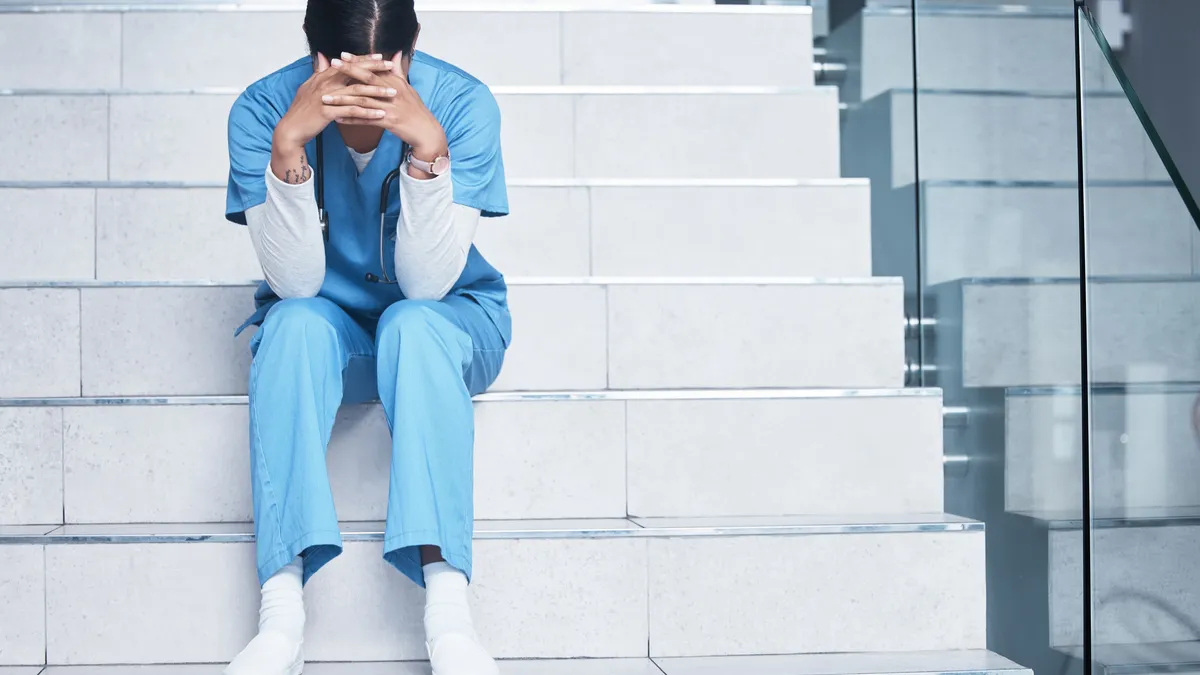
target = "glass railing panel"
x: 872, y: 46
x: 999, y: 249
x: 1143, y: 295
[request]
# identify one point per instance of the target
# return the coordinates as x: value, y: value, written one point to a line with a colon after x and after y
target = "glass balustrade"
x: 1142, y: 392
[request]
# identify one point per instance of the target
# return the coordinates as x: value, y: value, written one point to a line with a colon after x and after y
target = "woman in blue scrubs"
x: 362, y: 171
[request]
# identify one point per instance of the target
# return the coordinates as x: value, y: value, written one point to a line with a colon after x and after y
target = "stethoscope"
x: 383, y: 201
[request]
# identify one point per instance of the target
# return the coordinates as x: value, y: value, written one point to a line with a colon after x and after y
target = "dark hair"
x: 360, y: 27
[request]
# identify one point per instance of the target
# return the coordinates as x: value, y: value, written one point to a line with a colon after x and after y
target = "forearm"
x: 289, y: 161
x: 433, y: 237
x: 286, y: 233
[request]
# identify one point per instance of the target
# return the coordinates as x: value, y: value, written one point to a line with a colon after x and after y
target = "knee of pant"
x: 410, y: 318
x: 417, y: 321
x: 305, y: 317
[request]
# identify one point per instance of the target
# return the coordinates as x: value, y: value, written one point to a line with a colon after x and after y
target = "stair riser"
x: 118, y: 234
x: 119, y: 603
x: 1016, y: 335
x: 545, y: 135
x: 167, y: 341
x: 991, y: 231
x: 552, y: 459
x: 1144, y: 579
x: 1143, y: 450
x: 995, y: 53
x: 22, y: 605
x: 156, y: 49
x: 860, y: 593
x: 979, y: 137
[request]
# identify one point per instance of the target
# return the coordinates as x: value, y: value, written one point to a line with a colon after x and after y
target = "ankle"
x: 282, y: 608
x: 446, y: 608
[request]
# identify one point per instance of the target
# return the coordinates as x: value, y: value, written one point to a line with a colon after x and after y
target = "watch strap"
x: 437, y: 167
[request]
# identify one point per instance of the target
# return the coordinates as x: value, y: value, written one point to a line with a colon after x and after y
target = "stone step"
x: 1143, y: 447
x: 548, y: 132
x: 1142, y: 575
x: 110, y: 594
x: 1026, y: 332
x: 152, y: 45
x: 1012, y: 230
x: 893, y: 663
x: 1139, y: 658
x: 971, y: 135
x: 114, y: 231
x: 989, y: 229
x: 962, y: 662
x: 1017, y: 48
x: 105, y: 339
x: 540, y: 455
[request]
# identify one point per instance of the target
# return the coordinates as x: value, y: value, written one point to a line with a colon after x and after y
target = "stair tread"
x: 523, y: 90
x: 25, y: 530
x: 511, y: 281
x: 518, y: 181
x: 588, y: 528
x: 515, y: 6
x: 1146, y: 516
x: 1146, y: 657
x: 804, y: 521
x: 877, y: 663
x: 517, y: 667
x: 1173, y: 278
x: 509, y: 396
x: 972, y: 661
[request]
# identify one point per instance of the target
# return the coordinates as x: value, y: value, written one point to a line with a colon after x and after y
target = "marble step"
x: 963, y: 662
x: 1017, y: 48
x: 548, y: 132
x: 969, y: 135
x: 114, y: 231
x: 149, y: 44
x: 1143, y: 447
x: 1142, y: 561
x: 104, y: 339
x: 107, y: 594
x: 975, y: 229
x: 1142, y: 658
x: 877, y: 663
x: 537, y: 455
x: 1026, y: 332
x: 989, y: 229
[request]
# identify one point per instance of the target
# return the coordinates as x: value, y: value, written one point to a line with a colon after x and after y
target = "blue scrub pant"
x: 430, y: 358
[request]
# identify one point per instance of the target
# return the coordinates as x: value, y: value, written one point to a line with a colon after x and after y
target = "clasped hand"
x: 364, y: 90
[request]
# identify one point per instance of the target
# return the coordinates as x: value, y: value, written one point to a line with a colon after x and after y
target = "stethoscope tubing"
x: 384, y: 191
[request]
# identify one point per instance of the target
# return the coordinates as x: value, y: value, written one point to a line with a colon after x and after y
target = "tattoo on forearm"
x: 301, y: 175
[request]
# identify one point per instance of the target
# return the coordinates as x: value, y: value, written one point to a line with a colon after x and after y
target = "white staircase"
x: 700, y: 436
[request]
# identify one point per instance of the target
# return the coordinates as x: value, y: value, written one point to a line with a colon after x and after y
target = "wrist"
x: 429, y: 149
x: 286, y: 141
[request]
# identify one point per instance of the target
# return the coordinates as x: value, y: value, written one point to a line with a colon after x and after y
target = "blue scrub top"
x: 470, y: 117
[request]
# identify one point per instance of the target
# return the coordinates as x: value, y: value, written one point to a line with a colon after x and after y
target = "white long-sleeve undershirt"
x: 433, y: 236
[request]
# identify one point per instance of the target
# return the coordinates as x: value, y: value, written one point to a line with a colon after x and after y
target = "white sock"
x: 446, y: 608
x: 454, y: 647
x: 276, y: 650
x: 282, y: 606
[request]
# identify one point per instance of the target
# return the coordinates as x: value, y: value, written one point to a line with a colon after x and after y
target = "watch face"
x: 441, y: 165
